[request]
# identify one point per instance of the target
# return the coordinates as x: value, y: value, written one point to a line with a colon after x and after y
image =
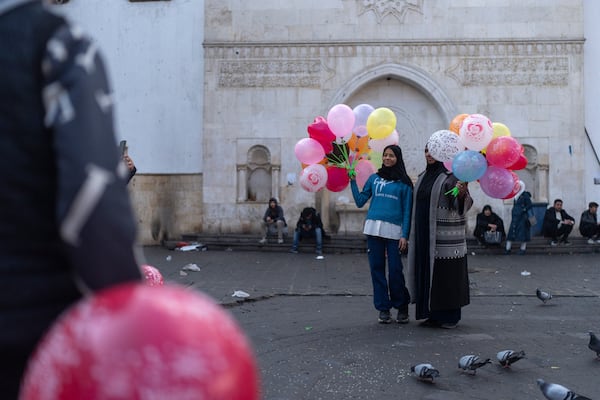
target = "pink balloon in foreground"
x: 313, y: 178
x: 341, y: 120
x: 364, y: 169
x: 139, y: 342
x: 152, y: 276
x: 497, y: 182
x: 516, y: 186
x: 309, y: 151
x: 337, y: 179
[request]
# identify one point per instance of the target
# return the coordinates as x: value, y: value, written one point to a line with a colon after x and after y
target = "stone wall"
x: 269, y: 70
x: 166, y: 206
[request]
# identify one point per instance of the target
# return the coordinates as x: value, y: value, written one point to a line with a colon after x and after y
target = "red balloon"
x: 503, y: 151
x: 319, y: 130
x: 139, y: 342
x: 337, y: 179
x: 152, y: 275
x: 520, y: 163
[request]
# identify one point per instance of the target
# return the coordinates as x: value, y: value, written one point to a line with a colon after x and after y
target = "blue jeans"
x: 317, y: 234
x: 391, y: 292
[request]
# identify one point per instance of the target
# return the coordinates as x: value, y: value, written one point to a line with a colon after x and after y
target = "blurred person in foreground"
x: 67, y: 227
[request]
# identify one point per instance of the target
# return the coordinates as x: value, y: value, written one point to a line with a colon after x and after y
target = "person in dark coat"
x: 437, y: 275
x: 309, y: 225
x: 487, y: 220
x: 273, y: 218
x: 557, y: 224
x: 520, y: 227
x: 588, y: 225
x: 67, y: 228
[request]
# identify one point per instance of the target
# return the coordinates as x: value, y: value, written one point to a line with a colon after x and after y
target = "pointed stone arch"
x: 410, y: 74
x: 344, y: 218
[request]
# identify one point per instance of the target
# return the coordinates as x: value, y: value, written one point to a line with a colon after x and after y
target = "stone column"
x: 275, y: 180
x: 542, y: 175
x: 242, y: 179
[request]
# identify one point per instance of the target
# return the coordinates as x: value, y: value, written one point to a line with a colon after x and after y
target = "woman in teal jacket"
x: 386, y: 226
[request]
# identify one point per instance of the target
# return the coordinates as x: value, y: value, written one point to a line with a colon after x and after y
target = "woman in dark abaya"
x: 437, y: 276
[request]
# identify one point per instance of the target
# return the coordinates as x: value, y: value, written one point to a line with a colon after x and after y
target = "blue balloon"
x: 469, y: 165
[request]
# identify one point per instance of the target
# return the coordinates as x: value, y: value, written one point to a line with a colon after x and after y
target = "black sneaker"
x: 385, y: 317
x: 402, y: 317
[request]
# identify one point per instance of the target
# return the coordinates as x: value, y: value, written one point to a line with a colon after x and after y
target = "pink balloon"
x: 497, y: 182
x: 380, y: 144
x: 503, y: 151
x: 516, y: 186
x: 476, y: 132
x: 361, y: 114
x: 152, y: 275
x: 309, y: 151
x: 364, y: 169
x: 139, y: 342
x: 448, y: 165
x: 313, y: 178
x: 341, y: 120
x: 337, y: 179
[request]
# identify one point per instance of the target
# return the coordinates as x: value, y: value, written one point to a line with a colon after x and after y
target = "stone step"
x: 357, y: 244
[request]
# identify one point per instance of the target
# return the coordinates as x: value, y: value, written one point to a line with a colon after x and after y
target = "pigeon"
x: 554, y: 391
x: 508, y: 357
x: 543, y: 296
x: 472, y: 362
x: 425, y: 372
x: 594, y: 344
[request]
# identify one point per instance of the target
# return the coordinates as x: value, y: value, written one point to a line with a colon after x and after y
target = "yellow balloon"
x: 500, y: 130
x: 381, y: 123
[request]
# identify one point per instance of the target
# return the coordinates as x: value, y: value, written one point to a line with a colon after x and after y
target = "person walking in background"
x: 488, y: 221
x: 437, y: 277
x: 387, y: 228
x: 309, y: 225
x: 66, y: 227
x: 588, y: 225
x: 273, y: 218
x: 520, y: 224
x: 557, y: 224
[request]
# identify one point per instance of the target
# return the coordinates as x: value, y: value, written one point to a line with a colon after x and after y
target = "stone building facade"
x: 272, y: 66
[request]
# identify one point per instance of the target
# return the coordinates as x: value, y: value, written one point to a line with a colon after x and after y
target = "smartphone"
x: 123, y: 147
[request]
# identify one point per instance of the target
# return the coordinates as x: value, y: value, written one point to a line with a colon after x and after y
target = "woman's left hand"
x: 403, y: 245
x: 462, y: 187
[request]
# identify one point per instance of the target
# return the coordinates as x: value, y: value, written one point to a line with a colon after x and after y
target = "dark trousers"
x: 561, y: 233
x: 390, y: 292
x: 590, y: 230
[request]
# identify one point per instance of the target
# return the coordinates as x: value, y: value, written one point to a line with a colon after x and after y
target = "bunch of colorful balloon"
x: 346, y: 144
x: 474, y: 148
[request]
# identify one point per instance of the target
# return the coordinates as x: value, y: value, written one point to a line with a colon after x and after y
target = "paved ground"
x: 314, y: 330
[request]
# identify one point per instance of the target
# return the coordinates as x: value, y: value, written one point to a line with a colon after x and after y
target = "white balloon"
x: 443, y: 145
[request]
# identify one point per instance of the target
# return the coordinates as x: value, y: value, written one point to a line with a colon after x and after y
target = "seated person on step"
x: 488, y: 221
x: 557, y: 224
x: 273, y: 219
x: 309, y: 225
x: 589, y: 227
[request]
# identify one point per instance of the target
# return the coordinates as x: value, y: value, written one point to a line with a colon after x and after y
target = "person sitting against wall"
x: 309, y: 226
x: 589, y: 226
x: 273, y: 219
x: 557, y: 224
x: 489, y: 221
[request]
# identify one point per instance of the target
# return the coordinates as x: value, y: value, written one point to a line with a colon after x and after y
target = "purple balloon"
x: 469, y: 165
x: 497, y: 182
x: 361, y: 113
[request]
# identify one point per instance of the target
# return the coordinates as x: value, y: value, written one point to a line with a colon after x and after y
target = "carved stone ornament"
x: 397, y: 8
